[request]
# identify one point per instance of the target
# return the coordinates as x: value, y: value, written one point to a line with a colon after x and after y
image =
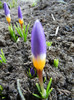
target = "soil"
x: 18, y: 54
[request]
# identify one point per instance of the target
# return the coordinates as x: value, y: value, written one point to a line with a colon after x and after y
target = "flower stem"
x: 21, y: 26
x: 9, y: 24
x: 39, y: 72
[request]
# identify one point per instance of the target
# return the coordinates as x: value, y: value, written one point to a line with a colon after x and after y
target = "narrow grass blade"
x: 49, y: 92
x: 0, y: 61
x: 27, y: 28
x: 25, y: 37
x: 24, y: 27
x: 1, y: 88
x: 18, y: 29
x: 12, y: 33
x: 2, y: 56
x: 38, y: 87
x: 49, y: 84
x: 36, y: 95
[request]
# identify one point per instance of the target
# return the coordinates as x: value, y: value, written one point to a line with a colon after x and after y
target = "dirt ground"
x: 18, y: 54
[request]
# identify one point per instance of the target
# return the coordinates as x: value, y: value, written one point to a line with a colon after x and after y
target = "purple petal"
x: 6, y: 9
x: 19, y: 13
x: 0, y: 58
x: 32, y: 71
x: 38, y: 42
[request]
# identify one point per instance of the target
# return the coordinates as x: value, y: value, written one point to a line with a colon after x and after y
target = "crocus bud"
x: 38, y: 46
x: 7, y: 12
x: 32, y: 71
x: 20, y: 16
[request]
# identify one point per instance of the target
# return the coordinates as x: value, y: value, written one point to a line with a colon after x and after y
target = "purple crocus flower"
x: 32, y: 71
x: 38, y: 46
x: 7, y: 12
x: 0, y: 58
x: 20, y: 15
x: 6, y: 9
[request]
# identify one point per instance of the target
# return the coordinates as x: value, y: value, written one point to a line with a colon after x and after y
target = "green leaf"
x: 4, y: 59
x: 48, y: 44
x: 56, y: 62
x: 29, y: 74
x: 25, y: 37
x: 13, y: 4
x: 22, y: 32
x: 27, y: 28
x: 44, y: 79
x: 18, y: 29
x: 1, y: 5
x: 34, y: 4
x: 49, y: 84
x: 1, y: 88
x: 2, y: 56
x: 36, y: 95
x: 0, y: 61
x: 12, y: 33
x: 3, y: 97
x: 24, y: 27
x: 25, y: 32
x: 48, y: 93
x: 38, y: 87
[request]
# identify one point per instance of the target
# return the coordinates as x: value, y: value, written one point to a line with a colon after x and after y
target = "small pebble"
x: 58, y: 38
